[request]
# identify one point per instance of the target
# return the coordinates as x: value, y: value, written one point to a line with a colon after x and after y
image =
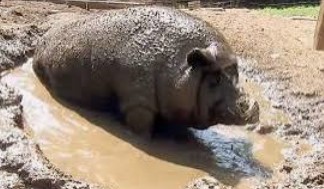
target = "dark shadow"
x: 176, y: 146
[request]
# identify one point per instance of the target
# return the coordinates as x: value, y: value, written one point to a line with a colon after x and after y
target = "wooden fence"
x: 319, y: 32
x: 104, y: 4
x: 243, y: 3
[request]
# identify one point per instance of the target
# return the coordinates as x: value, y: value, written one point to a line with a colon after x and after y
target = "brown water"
x: 92, y: 147
x: 268, y: 115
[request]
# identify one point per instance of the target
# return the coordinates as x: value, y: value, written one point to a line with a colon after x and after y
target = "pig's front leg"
x: 141, y: 121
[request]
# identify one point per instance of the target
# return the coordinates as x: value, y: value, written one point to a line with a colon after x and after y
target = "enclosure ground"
x: 283, y: 61
x: 280, y: 58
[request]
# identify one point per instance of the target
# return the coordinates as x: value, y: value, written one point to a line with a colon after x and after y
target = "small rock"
x: 251, y: 127
x: 17, y: 13
x: 286, y: 168
x: 264, y: 129
x: 277, y: 106
x: 316, y: 179
x: 287, y: 126
x: 321, y: 69
x: 275, y: 55
x: 207, y: 183
x: 6, y: 34
x: 293, y: 132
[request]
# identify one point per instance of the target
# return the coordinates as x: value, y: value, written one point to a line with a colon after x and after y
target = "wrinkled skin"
x: 156, y: 62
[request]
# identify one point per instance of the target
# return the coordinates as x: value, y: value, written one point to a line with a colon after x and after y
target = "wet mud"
x: 22, y: 163
x: 300, y: 130
x: 100, y: 150
x: 279, y: 57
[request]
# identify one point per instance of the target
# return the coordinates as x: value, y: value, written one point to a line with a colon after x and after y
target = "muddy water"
x: 268, y: 115
x: 91, y: 146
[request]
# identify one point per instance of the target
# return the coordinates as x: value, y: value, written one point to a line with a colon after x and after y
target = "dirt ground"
x: 280, y: 58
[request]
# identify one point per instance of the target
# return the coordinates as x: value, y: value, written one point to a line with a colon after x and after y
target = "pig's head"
x: 219, y: 98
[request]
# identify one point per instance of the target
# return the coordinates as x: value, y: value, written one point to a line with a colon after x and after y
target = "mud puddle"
x: 91, y: 146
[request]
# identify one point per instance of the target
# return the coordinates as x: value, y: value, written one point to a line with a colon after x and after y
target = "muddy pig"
x: 156, y: 62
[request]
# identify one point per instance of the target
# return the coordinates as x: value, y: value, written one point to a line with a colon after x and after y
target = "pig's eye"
x: 215, y: 82
x: 232, y: 71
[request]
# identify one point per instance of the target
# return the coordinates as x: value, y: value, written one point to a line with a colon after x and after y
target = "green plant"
x: 302, y: 10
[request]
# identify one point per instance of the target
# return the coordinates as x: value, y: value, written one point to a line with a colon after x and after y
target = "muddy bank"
x: 207, y: 183
x: 306, y: 117
x: 16, y: 44
x: 22, y: 163
x: 22, y: 23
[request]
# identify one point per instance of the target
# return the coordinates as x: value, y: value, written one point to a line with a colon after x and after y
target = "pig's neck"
x: 186, y: 95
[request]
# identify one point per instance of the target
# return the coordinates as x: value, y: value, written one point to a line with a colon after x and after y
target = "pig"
x: 153, y: 62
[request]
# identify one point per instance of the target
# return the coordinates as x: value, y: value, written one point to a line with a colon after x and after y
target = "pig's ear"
x: 197, y: 58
